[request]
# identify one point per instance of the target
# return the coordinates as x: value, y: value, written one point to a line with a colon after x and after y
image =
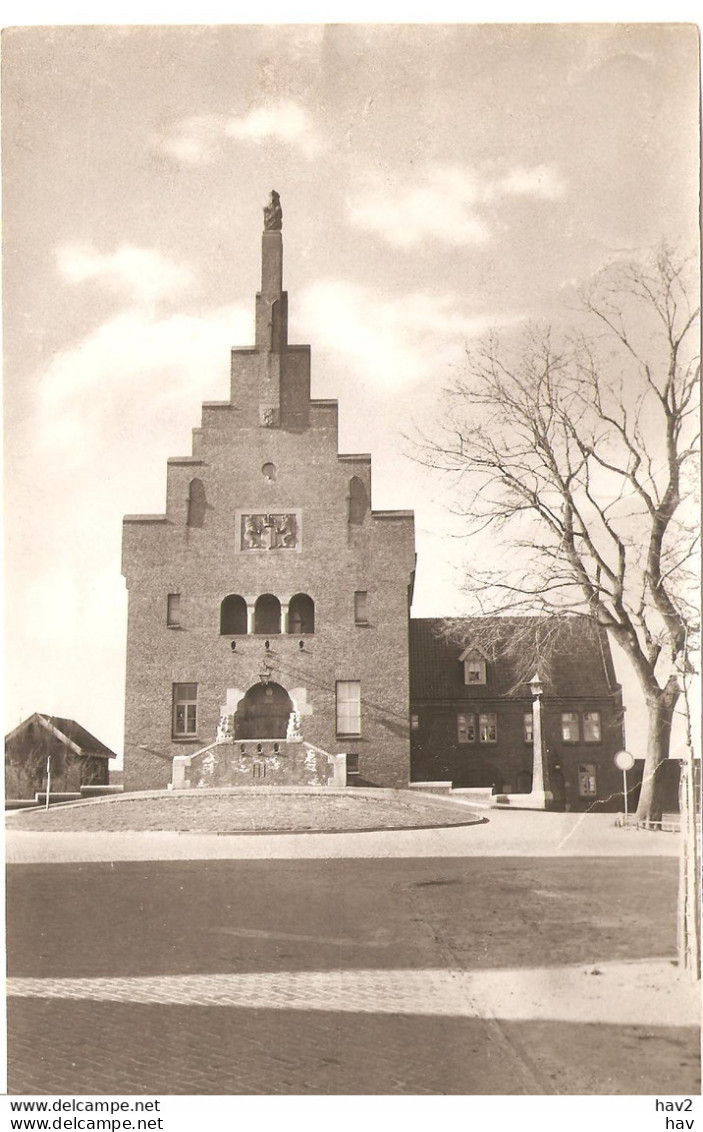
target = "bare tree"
x: 577, y: 453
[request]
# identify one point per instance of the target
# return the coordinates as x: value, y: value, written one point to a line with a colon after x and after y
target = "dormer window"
x: 474, y: 667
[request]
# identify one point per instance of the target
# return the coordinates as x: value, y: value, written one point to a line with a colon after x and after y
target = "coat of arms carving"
x: 269, y: 532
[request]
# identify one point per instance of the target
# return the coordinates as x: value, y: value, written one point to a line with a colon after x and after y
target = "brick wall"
x: 437, y: 754
x: 333, y: 559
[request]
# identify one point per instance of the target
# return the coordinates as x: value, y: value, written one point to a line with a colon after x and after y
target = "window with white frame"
x: 587, y: 780
x: 591, y: 727
x: 570, y: 726
x: 488, y: 727
x: 466, y: 728
x: 185, y: 710
x: 348, y: 707
x: 527, y: 727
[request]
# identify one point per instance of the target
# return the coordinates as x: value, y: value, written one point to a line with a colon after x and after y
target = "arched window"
x: 267, y: 614
x: 197, y: 503
x: 263, y: 713
x: 301, y: 614
x: 233, y: 614
x: 358, y: 501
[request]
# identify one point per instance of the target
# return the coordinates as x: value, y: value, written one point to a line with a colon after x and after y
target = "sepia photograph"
x: 352, y: 564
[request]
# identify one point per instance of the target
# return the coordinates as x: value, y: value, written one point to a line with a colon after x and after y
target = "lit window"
x: 570, y: 726
x: 414, y: 722
x: 587, y: 780
x: 466, y: 728
x: 348, y: 707
x: 361, y: 612
x: 527, y: 727
x: 488, y: 728
x: 173, y: 610
x: 591, y: 727
x: 185, y: 709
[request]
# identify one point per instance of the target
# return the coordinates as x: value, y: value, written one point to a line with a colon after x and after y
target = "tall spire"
x: 272, y: 300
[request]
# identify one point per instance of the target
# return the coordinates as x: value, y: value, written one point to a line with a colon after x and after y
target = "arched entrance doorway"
x: 263, y: 713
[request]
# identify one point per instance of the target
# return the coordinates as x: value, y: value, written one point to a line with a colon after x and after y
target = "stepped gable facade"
x: 268, y: 605
x: 269, y: 637
x: 472, y: 709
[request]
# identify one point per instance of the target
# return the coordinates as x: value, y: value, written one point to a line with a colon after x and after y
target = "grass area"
x: 262, y: 811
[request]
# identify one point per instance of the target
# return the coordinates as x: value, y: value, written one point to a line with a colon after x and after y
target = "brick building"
x: 269, y: 617
x: 269, y: 605
x: 472, y: 709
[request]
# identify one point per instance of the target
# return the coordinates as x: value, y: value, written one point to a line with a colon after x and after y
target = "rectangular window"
x: 570, y: 726
x: 488, y: 727
x: 348, y: 707
x: 587, y: 780
x: 173, y: 609
x: 527, y: 727
x: 185, y: 709
x: 591, y: 727
x: 474, y: 671
x: 352, y: 765
x: 361, y: 615
x: 466, y: 728
x: 414, y: 722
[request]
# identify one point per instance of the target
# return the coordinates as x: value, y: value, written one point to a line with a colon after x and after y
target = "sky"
x: 436, y: 181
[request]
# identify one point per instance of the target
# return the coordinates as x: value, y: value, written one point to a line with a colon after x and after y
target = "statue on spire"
x: 273, y: 213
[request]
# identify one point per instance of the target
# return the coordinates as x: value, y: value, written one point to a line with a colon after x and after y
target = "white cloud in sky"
x: 197, y: 140
x: 135, y: 374
x: 142, y: 274
x: 447, y: 203
x: 391, y: 342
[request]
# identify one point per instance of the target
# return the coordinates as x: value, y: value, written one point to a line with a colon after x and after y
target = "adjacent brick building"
x: 472, y: 709
x: 269, y: 600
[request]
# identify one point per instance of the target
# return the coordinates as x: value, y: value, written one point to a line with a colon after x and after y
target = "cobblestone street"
x: 346, y: 976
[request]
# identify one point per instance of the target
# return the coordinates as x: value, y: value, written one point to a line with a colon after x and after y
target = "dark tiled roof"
x: 575, y: 663
x: 88, y: 743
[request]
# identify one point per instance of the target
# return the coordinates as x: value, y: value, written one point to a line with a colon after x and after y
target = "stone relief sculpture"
x: 269, y: 532
x: 273, y: 213
x: 285, y: 530
x: 293, y: 734
x: 225, y: 728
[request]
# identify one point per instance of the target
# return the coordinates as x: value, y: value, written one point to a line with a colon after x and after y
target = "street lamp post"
x: 540, y: 793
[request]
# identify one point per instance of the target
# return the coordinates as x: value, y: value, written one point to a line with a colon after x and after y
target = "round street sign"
x: 624, y: 760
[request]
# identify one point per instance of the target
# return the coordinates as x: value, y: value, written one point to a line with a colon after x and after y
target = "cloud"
x: 539, y: 181
x: 143, y: 274
x: 390, y: 343
x: 200, y: 139
x: 447, y: 203
x: 135, y: 378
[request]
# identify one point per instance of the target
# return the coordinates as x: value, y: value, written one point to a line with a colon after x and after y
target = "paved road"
x: 337, y: 976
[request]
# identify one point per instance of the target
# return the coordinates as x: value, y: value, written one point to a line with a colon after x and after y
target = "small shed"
x: 77, y: 757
